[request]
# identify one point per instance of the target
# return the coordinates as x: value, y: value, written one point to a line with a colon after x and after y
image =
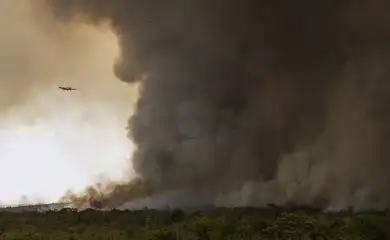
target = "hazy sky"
x: 50, y: 140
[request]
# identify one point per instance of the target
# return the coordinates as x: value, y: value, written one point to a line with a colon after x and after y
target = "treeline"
x: 218, y: 223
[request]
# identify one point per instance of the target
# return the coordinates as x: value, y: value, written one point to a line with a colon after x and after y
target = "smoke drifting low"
x: 251, y: 102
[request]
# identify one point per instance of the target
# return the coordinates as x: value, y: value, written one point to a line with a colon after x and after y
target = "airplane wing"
x: 67, y: 88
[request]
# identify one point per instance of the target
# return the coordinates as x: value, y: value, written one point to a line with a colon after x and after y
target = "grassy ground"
x: 239, y: 223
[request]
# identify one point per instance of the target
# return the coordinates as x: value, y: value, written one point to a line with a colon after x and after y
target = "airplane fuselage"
x: 67, y: 88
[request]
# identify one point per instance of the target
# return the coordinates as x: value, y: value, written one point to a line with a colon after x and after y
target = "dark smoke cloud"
x: 249, y: 102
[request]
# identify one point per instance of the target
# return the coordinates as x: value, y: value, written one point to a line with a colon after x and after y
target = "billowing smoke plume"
x: 250, y: 102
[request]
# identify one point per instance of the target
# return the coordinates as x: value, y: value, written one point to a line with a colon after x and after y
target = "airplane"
x: 67, y: 88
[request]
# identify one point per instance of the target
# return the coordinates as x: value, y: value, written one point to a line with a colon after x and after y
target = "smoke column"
x: 52, y: 141
x: 253, y: 102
